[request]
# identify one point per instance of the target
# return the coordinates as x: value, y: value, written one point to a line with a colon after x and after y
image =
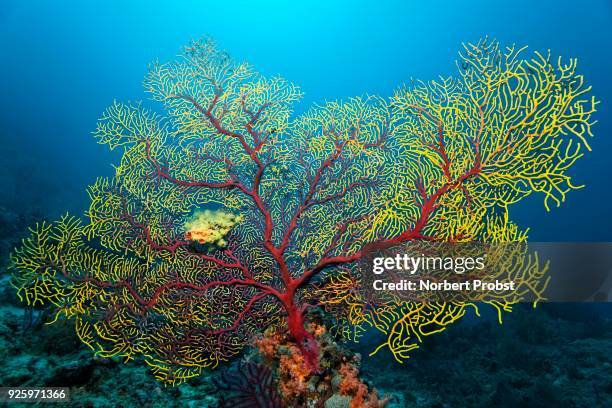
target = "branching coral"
x: 439, y: 161
x: 248, y: 385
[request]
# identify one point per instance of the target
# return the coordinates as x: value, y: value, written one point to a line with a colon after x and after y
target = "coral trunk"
x: 305, y: 340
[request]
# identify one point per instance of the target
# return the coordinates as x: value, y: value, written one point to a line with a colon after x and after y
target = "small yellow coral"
x: 210, y: 227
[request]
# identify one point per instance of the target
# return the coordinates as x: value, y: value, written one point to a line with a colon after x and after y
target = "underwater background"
x: 62, y: 63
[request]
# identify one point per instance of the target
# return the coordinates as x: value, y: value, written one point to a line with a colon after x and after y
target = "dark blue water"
x: 62, y: 63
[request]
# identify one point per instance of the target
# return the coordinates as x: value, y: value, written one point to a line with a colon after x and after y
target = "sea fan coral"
x: 313, y: 194
x: 248, y: 385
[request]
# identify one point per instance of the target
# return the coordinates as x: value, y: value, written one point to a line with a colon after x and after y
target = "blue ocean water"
x: 62, y: 63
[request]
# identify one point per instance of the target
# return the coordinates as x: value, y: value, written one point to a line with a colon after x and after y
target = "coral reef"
x: 438, y: 161
x: 333, y: 384
x: 540, y: 359
x: 53, y: 356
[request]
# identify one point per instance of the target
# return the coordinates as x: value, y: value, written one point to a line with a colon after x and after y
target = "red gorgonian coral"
x: 231, y: 215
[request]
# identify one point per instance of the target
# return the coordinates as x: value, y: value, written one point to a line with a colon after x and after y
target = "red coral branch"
x: 287, y: 295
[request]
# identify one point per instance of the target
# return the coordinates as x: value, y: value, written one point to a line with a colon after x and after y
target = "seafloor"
x: 558, y: 355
